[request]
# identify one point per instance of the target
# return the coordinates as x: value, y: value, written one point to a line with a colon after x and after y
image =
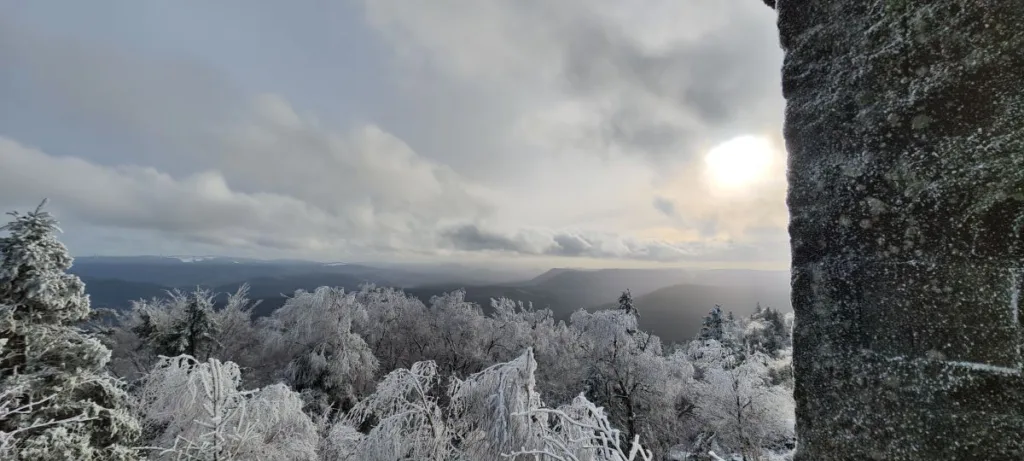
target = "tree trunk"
x: 905, y: 132
x: 630, y: 419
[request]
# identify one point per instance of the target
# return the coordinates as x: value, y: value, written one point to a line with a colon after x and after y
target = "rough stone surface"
x: 905, y: 130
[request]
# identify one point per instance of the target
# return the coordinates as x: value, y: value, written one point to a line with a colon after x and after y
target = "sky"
x: 603, y: 133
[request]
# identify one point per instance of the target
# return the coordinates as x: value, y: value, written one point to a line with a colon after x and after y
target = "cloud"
x: 614, y: 107
x: 665, y: 206
x: 290, y: 184
x: 205, y: 209
x: 536, y: 118
x: 471, y: 237
x: 201, y: 206
x: 656, y: 84
x: 366, y: 174
x: 158, y: 109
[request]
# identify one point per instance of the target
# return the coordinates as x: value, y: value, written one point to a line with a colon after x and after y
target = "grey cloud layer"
x: 114, y: 103
x: 471, y: 237
x: 650, y: 99
x: 203, y: 208
x: 367, y: 175
x: 289, y: 185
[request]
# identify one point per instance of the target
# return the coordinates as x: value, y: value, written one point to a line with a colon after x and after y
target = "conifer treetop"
x: 32, y: 271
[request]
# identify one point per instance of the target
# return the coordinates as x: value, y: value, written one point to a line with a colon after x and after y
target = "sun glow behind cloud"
x: 740, y: 163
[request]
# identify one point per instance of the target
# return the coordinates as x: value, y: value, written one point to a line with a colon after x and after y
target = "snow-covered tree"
x: 626, y: 370
x: 492, y: 414
x: 196, y: 411
x: 766, y: 331
x: 457, y: 334
x: 239, y: 340
x: 193, y: 408
x: 739, y: 402
x: 341, y: 443
x: 131, y: 358
x: 711, y: 328
x: 580, y: 431
x: 58, y: 400
x: 557, y: 349
x: 181, y: 323
x: 396, y: 327
x: 626, y: 303
x: 178, y: 324
x: 311, y: 340
x: 491, y: 410
x: 408, y: 422
x: 195, y: 332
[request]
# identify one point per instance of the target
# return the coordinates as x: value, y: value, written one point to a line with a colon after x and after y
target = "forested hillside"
x: 674, y: 300
x: 370, y: 374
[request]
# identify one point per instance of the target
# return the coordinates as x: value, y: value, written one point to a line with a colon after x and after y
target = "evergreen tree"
x: 769, y: 333
x: 712, y: 325
x: 777, y: 332
x: 195, y: 332
x: 183, y: 324
x: 732, y: 332
x: 66, y: 406
x: 626, y: 303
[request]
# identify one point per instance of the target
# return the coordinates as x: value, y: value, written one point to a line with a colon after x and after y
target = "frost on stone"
x: 905, y: 152
x: 938, y: 358
x: 1015, y: 285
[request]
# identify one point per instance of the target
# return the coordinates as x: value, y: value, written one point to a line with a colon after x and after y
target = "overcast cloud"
x: 388, y: 129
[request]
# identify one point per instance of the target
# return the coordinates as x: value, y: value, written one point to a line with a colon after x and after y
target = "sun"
x: 739, y: 162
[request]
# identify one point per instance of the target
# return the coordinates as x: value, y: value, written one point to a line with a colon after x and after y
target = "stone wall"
x: 905, y: 131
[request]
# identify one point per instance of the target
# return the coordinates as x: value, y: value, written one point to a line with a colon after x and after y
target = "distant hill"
x: 118, y: 294
x: 588, y: 288
x: 551, y: 273
x: 179, y: 272
x: 754, y: 279
x: 675, y: 313
x: 184, y: 271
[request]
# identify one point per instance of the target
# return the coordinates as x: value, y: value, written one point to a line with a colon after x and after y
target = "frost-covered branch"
x: 410, y: 423
x: 199, y: 413
x: 581, y: 431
